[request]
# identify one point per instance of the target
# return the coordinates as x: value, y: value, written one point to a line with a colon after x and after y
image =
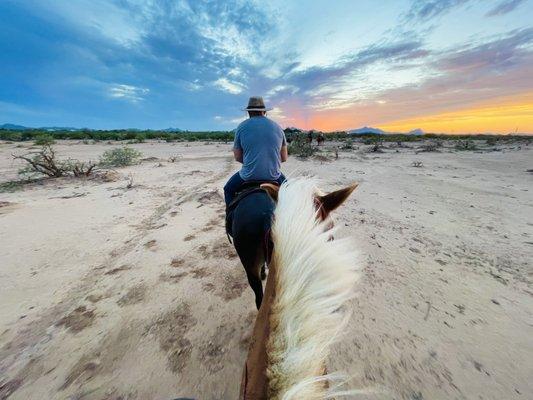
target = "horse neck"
x: 264, y: 377
x: 255, y: 383
x: 309, y: 280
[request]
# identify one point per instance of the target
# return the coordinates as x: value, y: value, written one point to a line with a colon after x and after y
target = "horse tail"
x: 314, y: 278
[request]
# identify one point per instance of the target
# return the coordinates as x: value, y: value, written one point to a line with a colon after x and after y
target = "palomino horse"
x: 310, y: 278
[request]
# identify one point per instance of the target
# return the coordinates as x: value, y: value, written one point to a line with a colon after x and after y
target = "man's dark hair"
x: 256, y: 113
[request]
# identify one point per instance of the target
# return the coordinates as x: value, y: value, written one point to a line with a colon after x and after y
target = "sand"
x: 110, y: 292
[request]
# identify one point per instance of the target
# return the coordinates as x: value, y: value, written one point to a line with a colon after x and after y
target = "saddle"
x: 246, y: 189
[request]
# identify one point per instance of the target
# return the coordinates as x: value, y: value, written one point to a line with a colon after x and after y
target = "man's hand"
x: 284, y: 153
x: 237, y: 153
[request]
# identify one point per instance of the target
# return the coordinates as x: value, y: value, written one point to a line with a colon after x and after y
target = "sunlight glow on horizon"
x: 509, y: 115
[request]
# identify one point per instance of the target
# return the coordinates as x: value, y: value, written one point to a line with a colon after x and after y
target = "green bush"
x: 14, y: 136
x: 373, y: 139
x: 42, y: 140
x: 120, y: 157
x: 347, y: 145
x: 11, y: 186
x: 300, y: 147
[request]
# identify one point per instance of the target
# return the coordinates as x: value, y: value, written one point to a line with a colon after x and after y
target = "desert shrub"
x: 465, y: 145
x: 417, y: 164
x: 372, y: 139
x: 12, y: 136
x: 173, y: 159
x: 430, y: 147
x: 45, y: 139
x: 139, y: 138
x: 43, y: 162
x: 491, y: 141
x: 347, y: 145
x: 79, y: 168
x: 376, y: 147
x: 120, y: 157
x: 11, y: 186
x: 300, y: 147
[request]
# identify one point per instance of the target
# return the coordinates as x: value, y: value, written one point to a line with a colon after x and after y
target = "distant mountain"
x: 366, y: 130
x: 416, y: 132
x: 13, y: 127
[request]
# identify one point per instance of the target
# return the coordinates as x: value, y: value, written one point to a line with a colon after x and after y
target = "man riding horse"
x: 261, y: 147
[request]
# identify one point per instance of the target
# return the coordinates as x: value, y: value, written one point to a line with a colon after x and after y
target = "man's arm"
x: 284, y: 153
x: 237, y: 153
x: 237, y: 146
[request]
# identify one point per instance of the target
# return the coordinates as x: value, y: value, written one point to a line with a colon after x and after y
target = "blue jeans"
x: 234, y: 184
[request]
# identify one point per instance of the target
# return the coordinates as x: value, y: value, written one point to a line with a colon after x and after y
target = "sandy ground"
x: 110, y: 292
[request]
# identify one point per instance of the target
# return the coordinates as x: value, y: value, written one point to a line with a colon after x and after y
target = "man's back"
x: 260, y: 140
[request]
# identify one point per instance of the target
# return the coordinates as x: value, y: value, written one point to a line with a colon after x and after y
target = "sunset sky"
x: 452, y: 66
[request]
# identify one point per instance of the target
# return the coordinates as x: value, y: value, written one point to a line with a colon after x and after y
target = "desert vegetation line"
x: 136, y: 136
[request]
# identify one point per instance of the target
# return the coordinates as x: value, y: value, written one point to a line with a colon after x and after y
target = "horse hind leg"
x: 257, y: 286
x: 251, y: 261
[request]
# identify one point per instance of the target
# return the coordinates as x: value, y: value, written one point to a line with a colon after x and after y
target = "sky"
x: 444, y: 66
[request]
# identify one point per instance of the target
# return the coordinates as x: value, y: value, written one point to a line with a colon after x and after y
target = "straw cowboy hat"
x: 256, y: 103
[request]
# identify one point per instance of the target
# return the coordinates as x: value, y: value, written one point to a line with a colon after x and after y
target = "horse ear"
x: 271, y: 189
x: 333, y: 200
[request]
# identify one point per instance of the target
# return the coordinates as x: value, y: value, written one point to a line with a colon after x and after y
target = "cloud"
x: 504, y: 7
x: 128, y: 92
x: 424, y: 10
x: 232, y: 87
x: 340, y: 84
x: 233, y: 121
x: 493, y: 56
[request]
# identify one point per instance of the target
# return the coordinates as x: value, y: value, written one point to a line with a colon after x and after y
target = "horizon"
x: 178, y: 130
x: 446, y: 67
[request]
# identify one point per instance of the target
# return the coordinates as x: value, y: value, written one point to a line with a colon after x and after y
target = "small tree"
x: 43, y: 162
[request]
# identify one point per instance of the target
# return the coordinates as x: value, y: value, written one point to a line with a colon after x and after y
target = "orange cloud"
x: 505, y: 115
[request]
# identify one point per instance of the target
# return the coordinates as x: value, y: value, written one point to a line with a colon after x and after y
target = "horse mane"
x: 314, y: 278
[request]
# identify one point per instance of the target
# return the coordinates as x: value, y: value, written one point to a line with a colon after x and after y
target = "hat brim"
x: 257, y: 109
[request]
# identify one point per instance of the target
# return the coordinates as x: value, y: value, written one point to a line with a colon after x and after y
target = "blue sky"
x: 325, y: 64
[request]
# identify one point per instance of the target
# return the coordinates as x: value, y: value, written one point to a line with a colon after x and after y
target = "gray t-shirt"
x: 260, y: 140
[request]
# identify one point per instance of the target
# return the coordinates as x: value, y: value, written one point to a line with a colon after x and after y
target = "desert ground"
x: 127, y: 287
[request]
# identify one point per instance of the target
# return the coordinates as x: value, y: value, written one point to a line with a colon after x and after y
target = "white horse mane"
x: 315, y: 277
